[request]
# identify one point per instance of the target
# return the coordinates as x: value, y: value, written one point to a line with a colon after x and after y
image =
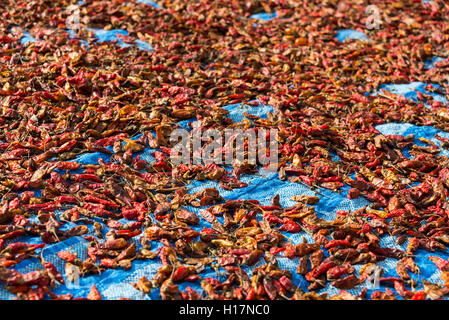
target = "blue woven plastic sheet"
x: 116, y: 283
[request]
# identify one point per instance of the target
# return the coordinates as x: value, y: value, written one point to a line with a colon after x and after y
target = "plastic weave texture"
x: 116, y: 283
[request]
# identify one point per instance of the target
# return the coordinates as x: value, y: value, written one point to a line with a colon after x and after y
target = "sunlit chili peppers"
x: 62, y: 104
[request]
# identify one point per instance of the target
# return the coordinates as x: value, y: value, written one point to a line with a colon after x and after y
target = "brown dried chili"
x: 61, y: 100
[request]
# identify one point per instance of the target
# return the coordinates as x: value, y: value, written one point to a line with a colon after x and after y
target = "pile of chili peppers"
x: 66, y: 95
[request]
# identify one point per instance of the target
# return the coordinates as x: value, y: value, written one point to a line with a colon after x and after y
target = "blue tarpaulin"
x: 342, y: 35
x: 116, y: 283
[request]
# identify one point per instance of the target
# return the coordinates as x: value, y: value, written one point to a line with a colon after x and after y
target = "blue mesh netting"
x: 116, y: 283
x: 410, y: 90
x: 111, y: 35
x: 27, y: 37
x: 151, y: 3
x: 342, y: 35
x: 264, y: 16
x: 429, y: 64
